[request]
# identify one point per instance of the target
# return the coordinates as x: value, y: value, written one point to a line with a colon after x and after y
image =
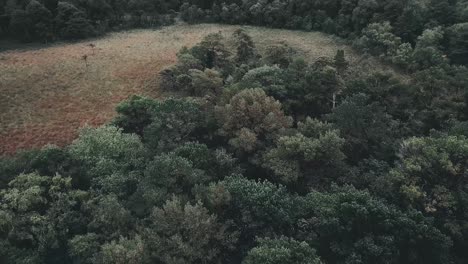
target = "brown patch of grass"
x: 46, y: 94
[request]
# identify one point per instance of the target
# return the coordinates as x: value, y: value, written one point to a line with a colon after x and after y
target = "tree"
x: 367, y: 128
x: 41, y: 20
x: 185, y: 233
x: 207, y: 82
x: 123, y: 251
x: 71, y: 22
x: 278, y: 54
x: 135, y: 114
x: 431, y: 176
x: 281, y: 250
x: 410, y: 23
x: 458, y: 43
x: 167, y: 175
x: 37, y: 215
x: 114, y: 219
x: 104, y: 151
x: 213, y: 54
x: 311, y: 157
x: 245, y: 47
x: 250, y: 118
x: 340, y: 61
x: 269, y: 78
x: 378, y: 40
x: 175, y: 121
x: 21, y: 24
x: 83, y: 248
x: 258, y: 208
x: 441, y: 12
x: 351, y: 226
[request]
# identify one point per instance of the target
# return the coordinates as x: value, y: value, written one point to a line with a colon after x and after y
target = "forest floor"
x: 48, y: 92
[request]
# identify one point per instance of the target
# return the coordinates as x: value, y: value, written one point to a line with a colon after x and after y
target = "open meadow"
x: 47, y: 94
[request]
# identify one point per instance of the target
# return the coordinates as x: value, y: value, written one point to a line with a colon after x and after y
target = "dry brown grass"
x: 46, y: 94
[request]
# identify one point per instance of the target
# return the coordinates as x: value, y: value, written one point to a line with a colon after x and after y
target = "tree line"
x: 260, y: 158
x: 49, y: 20
x: 395, y: 25
x: 398, y: 22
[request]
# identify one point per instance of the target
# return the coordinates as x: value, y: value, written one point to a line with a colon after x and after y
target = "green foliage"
x: 258, y: 208
x: 168, y: 174
x: 106, y: 149
x: 37, y: 214
x: 123, y: 251
x: 250, y: 118
x: 245, y: 47
x: 340, y: 61
x: 213, y: 54
x: 72, y: 23
x: 430, y: 178
x: 174, y: 121
x: 367, y: 128
x: 351, y: 226
x: 208, y: 82
x: 278, y: 54
x: 313, y: 156
x: 135, y: 114
x: 83, y: 248
x: 21, y: 23
x: 378, y: 40
x: 458, y: 43
x: 41, y: 20
x: 179, y: 233
x: 281, y: 250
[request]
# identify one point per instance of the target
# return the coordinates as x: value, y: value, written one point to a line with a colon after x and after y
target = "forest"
x: 256, y: 158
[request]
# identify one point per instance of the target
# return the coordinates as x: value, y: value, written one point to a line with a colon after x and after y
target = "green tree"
x: 37, y: 216
x: 367, y: 128
x: 279, y: 54
x: 21, y: 24
x: 250, y: 118
x: 340, y: 61
x: 281, y: 250
x: 123, y: 251
x: 312, y: 156
x: 351, y: 226
x: 166, y: 175
x: 378, y: 40
x: 245, y: 47
x: 185, y: 233
x: 458, y: 43
x: 258, y: 208
x: 72, y: 23
x: 208, y: 82
x: 175, y: 121
x: 41, y: 20
x: 213, y: 54
x: 83, y: 248
x: 104, y: 151
x: 135, y: 114
x: 430, y: 177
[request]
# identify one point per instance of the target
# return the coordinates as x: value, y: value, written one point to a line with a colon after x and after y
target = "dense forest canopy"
x: 257, y: 157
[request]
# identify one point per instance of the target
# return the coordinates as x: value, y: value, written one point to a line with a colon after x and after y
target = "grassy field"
x: 47, y: 93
